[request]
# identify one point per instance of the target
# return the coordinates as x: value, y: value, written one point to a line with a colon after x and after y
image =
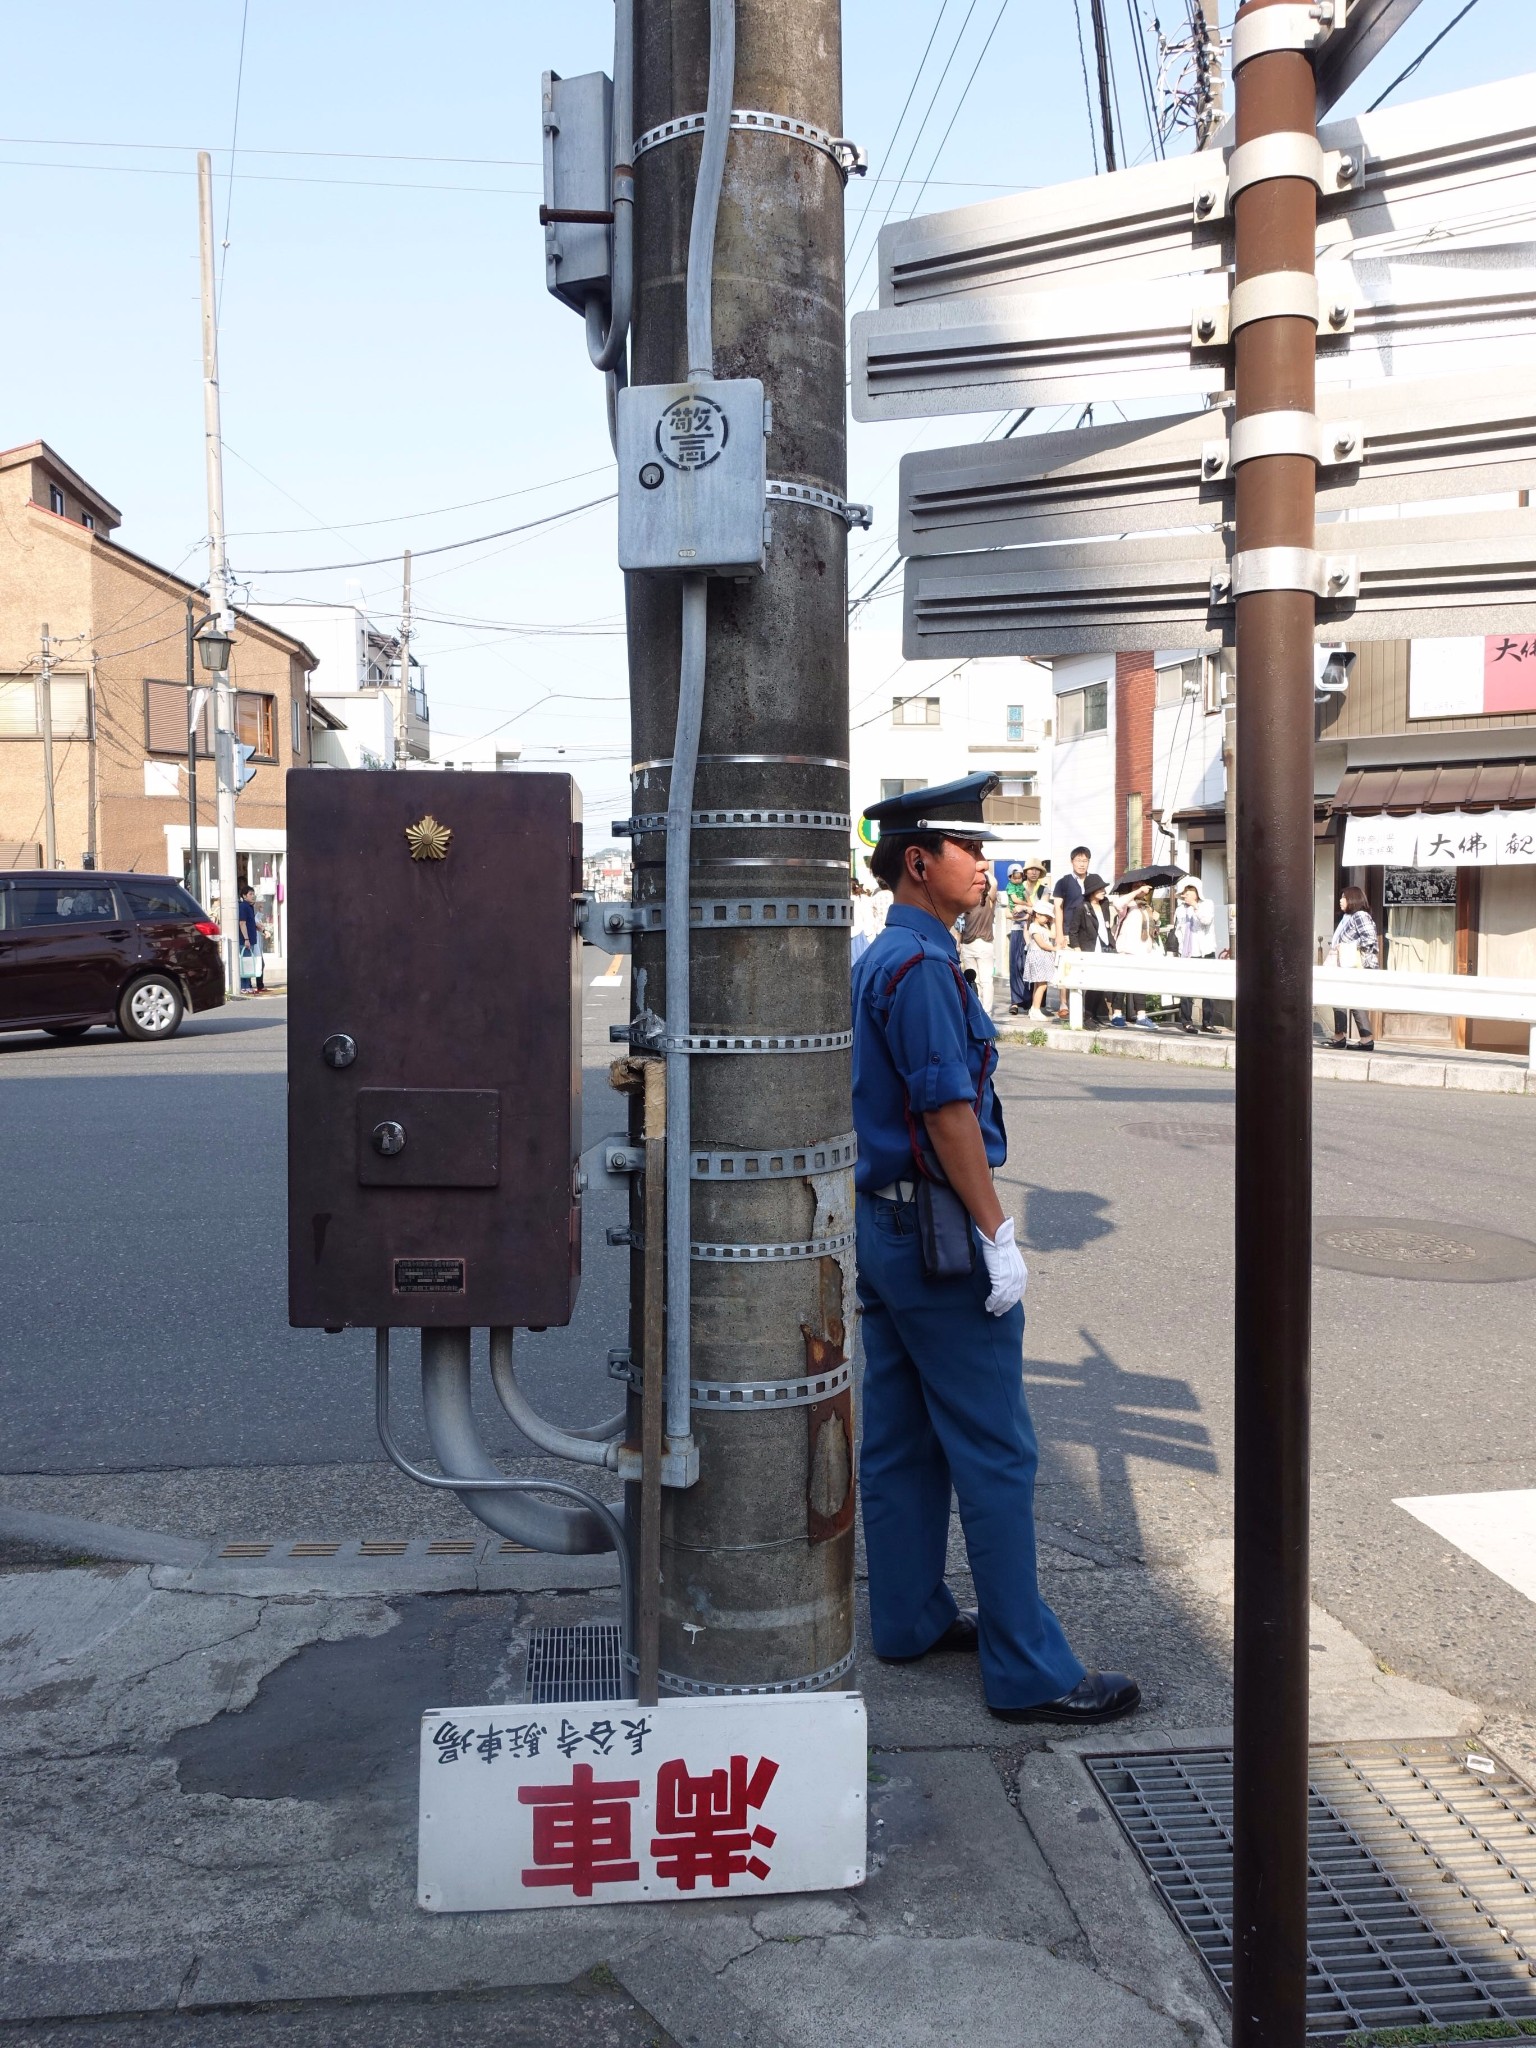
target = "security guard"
x: 943, y: 1329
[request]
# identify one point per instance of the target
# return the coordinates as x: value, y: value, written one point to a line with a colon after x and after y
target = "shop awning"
x: 1457, y: 786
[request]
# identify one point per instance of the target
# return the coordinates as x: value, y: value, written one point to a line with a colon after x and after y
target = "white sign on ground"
x: 592, y: 1803
x: 1498, y: 1530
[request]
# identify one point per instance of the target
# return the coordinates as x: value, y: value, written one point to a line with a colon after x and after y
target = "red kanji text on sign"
x: 581, y: 1832
x: 702, y: 1823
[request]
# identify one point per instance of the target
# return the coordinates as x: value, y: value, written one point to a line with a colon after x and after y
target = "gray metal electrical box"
x: 434, y: 1049
x: 578, y: 178
x: 693, y: 476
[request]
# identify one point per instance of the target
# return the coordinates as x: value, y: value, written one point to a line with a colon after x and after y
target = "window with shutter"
x: 165, y: 721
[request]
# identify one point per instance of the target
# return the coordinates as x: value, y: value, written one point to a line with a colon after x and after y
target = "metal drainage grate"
x: 575, y: 1661
x: 1422, y: 1892
x: 1401, y: 1248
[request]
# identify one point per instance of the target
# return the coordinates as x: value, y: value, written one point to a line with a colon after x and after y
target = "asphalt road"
x: 144, y: 1330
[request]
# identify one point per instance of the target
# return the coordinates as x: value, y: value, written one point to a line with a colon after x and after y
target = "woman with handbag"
x: 1355, y: 943
x: 943, y: 1394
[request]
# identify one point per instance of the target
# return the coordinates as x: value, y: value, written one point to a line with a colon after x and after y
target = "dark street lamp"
x: 213, y: 652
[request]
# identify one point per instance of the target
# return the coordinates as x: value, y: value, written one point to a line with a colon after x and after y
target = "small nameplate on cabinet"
x: 429, y: 1276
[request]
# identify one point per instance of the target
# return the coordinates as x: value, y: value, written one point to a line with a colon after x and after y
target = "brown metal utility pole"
x: 1275, y: 338
x: 756, y: 1558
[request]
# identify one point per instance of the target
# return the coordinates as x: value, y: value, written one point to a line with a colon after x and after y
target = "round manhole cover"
x: 1401, y: 1248
x: 1175, y: 1133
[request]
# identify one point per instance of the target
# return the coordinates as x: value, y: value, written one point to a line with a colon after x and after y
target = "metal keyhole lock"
x: 388, y: 1139
x: 339, y: 1050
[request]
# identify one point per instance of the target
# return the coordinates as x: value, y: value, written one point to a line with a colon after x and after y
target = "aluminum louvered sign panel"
x: 1429, y: 577
x: 1453, y: 309
x: 1464, y: 162
x: 1445, y: 438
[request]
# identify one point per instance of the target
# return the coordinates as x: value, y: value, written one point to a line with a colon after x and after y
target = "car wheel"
x: 67, y: 1033
x: 151, y: 1008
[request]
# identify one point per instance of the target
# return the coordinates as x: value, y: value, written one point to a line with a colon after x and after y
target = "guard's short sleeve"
x: 928, y: 1037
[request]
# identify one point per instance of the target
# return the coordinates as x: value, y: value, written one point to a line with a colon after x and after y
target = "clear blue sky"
x: 388, y: 346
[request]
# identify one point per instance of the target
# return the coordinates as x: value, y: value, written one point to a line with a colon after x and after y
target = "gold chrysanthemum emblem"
x: 427, y: 839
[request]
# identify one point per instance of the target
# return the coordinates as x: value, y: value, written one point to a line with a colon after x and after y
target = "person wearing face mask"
x: 941, y: 1283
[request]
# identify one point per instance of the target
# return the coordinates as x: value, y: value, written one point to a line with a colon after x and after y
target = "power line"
x: 917, y: 138
x: 447, y: 547
x: 1082, y: 58
x: 954, y: 117
x: 880, y: 178
x: 372, y: 156
x: 234, y: 137
x: 1402, y: 75
x: 1101, y: 62
x: 398, y: 518
x: 278, y: 178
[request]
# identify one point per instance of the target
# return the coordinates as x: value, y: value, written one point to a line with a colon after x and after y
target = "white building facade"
x: 914, y: 724
x: 382, y: 723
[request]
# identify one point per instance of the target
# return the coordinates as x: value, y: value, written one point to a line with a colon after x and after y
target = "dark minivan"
x: 79, y: 948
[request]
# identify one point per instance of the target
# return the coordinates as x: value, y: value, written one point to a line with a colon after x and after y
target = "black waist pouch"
x: 944, y: 1231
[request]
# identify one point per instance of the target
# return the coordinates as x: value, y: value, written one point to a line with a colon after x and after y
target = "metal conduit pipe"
x: 456, y: 1445
x: 583, y: 1447
x: 685, y: 750
x: 608, y: 325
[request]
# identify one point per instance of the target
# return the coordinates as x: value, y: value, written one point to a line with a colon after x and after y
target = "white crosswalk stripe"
x: 1498, y: 1530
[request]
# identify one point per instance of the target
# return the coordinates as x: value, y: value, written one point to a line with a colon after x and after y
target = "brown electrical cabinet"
x: 434, y: 1049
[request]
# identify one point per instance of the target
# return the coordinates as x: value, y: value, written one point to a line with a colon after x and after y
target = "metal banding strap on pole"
x: 1274, y: 295
x: 787, y: 493
x: 738, y: 820
x: 1288, y: 433
x: 1253, y: 569
x: 778, y: 1162
x: 696, y: 1688
x: 736, y: 913
x: 851, y: 161
x: 785, y: 1041
x: 747, y: 1397
x: 758, y: 1254
x: 749, y: 760
x: 1286, y: 27
x: 770, y: 860
x: 1289, y: 154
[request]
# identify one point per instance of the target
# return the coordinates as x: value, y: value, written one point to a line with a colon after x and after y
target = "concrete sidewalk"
x: 1402, y: 1066
x: 210, y: 1798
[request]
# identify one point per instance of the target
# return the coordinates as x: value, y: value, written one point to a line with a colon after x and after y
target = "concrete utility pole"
x: 45, y: 720
x: 1210, y: 109
x: 757, y: 1557
x: 403, y: 727
x: 1276, y: 507
x: 218, y: 590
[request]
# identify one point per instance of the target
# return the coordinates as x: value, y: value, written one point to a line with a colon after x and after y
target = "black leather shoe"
x: 1099, y: 1696
x: 960, y: 1635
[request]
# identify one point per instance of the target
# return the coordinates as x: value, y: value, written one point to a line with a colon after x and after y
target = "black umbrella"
x: 1151, y: 878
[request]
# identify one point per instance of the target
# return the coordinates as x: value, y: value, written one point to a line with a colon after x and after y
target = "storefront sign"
x: 594, y: 1802
x: 1442, y: 839
x: 1472, y: 678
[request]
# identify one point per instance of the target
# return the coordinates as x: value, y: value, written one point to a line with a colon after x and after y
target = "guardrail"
x: 1499, y: 997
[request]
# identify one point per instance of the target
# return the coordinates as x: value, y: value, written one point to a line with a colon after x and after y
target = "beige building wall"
x: 122, y: 622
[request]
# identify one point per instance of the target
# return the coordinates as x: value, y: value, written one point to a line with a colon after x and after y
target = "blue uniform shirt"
x: 923, y: 1028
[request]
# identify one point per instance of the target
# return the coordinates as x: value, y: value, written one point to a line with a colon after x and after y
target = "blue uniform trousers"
x: 944, y: 1407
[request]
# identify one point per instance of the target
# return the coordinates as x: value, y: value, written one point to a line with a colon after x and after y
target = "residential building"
x: 380, y: 723
x: 911, y: 726
x: 120, y: 714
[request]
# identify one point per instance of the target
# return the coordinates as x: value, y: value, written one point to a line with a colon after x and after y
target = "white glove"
x: 1005, y: 1268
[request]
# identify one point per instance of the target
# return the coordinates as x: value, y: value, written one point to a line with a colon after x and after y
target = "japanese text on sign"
x: 562, y: 1805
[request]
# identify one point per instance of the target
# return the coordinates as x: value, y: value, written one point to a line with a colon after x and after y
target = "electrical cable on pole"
x: 45, y: 723
x: 1101, y: 60
x: 403, y: 725
x: 218, y: 590
x: 1082, y: 58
